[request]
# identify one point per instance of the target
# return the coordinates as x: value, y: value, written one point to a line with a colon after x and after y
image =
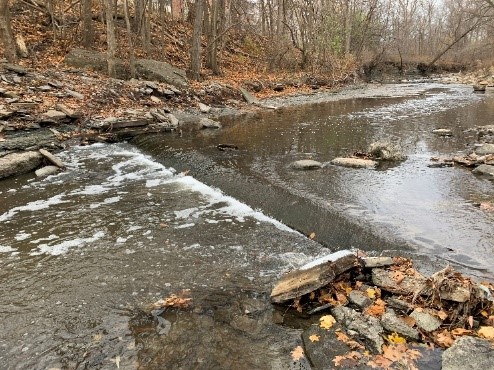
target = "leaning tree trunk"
x: 6, y: 35
x: 110, y: 38
x: 195, y: 50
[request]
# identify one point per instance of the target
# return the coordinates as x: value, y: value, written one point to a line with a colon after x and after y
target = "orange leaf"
x: 312, y: 236
x: 314, y: 338
x: 442, y: 315
x: 298, y: 353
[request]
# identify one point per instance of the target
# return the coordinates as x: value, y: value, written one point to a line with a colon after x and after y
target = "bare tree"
x: 110, y: 38
x: 195, y: 50
x: 87, y: 24
x: 6, y: 35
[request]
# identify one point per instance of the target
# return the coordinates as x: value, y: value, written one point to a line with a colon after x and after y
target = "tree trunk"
x: 87, y: 24
x: 129, y: 36
x: 6, y: 35
x: 213, y: 46
x: 110, y: 38
x: 195, y: 50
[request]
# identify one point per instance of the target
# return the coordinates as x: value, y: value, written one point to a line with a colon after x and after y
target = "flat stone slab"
x: 306, y: 164
x: 204, y: 108
x: 484, y: 169
x: 425, y: 320
x: 395, y: 324
x: 485, y: 149
x: 469, y: 353
x: 354, y: 162
x: 19, y: 163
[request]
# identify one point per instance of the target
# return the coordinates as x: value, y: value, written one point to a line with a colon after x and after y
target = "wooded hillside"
x: 329, y: 41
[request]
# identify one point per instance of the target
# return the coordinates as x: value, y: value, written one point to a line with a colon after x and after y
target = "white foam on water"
x: 22, y: 236
x: 34, y: 206
x: 51, y: 237
x: 233, y: 207
x: 63, y: 247
x: 6, y: 249
x: 105, y: 202
x: 184, y: 226
x: 91, y: 190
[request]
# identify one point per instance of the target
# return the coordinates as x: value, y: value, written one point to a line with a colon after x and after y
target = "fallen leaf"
x: 410, y: 321
x: 312, y: 236
x: 444, y: 339
x: 487, y: 206
x: 342, y: 337
x: 380, y: 362
x: 326, y: 322
x: 377, y: 309
x: 298, y: 353
x: 347, y: 361
x: 314, y: 338
x: 397, y: 276
x: 297, y: 305
x: 458, y: 332
x: 371, y: 293
x: 396, y: 339
x: 442, y: 315
x: 116, y: 361
x: 486, y: 332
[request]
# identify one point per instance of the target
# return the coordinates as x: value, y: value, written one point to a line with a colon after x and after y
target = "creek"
x: 84, y: 253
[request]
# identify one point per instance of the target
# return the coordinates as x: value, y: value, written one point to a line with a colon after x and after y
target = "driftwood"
x: 313, y: 276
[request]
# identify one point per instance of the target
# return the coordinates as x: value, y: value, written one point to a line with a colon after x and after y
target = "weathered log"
x: 313, y: 276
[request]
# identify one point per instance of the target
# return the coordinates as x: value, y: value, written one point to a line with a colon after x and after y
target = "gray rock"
x: 372, y: 262
x: 359, y: 299
x: 485, y: 149
x: 204, y: 108
x: 249, y: 98
x: 75, y: 94
x: 354, y: 162
x: 46, y: 171
x: 208, y: 123
x: 44, y: 88
x: 399, y: 304
x: 53, y: 115
x: 15, y: 68
x: 393, y: 323
x: 306, y: 164
x: 426, y: 321
x: 53, y: 159
x: 322, y: 352
x: 82, y: 59
x: 69, y: 112
x: 484, y: 169
x: 161, y: 71
x: 174, y: 122
x: 386, y: 151
x: 24, y: 105
x: 18, y: 163
x: 368, y: 327
x: 469, y: 353
x: 4, y: 114
x: 155, y: 99
x: 442, y: 132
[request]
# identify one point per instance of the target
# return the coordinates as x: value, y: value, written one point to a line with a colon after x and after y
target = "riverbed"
x: 83, y: 254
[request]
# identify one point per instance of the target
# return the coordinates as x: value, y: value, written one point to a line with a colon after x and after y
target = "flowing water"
x: 84, y: 253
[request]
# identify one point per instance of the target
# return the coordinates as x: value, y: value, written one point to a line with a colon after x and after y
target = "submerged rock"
x: 354, y: 162
x: 386, y: 151
x: 306, y: 164
x: 208, y: 123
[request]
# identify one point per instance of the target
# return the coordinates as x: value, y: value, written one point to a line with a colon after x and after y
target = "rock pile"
x: 381, y: 311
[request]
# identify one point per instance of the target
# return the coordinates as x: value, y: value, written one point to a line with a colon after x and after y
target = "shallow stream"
x: 84, y: 253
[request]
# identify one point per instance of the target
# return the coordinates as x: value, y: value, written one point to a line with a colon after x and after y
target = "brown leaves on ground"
x: 395, y: 354
x: 181, y: 301
x: 342, y: 337
x: 349, y: 360
x: 377, y: 309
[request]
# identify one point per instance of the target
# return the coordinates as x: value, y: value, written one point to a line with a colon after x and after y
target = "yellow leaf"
x: 327, y: 321
x: 298, y: 353
x: 371, y: 293
x: 396, y: 339
x: 314, y: 338
x: 486, y: 332
x: 442, y: 315
x: 312, y: 236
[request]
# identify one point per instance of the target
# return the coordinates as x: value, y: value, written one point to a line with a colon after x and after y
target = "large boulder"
x: 18, y: 163
x: 145, y: 68
x: 484, y: 169
x: 81, y: 58
x: 161, y: 71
